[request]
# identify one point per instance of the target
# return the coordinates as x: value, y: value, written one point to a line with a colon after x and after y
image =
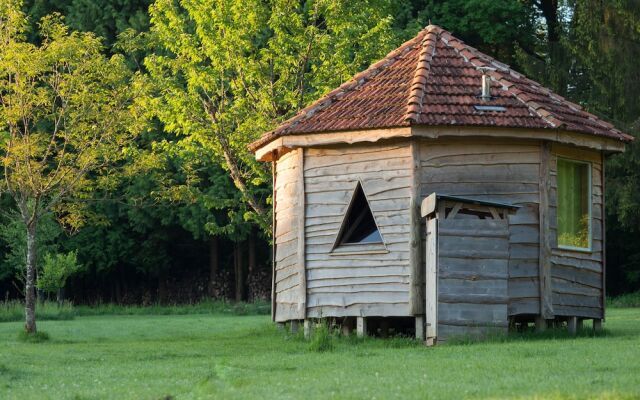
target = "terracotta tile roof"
x: 435, y: 79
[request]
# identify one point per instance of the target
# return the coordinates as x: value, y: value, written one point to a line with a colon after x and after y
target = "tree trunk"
x: 239, y: 273
x: 252, y: 266
x: 30, y: 284
x: 252, y: 252
x: 214, y: 264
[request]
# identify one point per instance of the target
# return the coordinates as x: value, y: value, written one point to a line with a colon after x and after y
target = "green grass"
x: 202, y: 356
x: 51, y: 311
x: 625, y: 300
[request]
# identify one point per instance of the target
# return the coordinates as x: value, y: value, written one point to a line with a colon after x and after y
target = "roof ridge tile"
x: 420, y: 76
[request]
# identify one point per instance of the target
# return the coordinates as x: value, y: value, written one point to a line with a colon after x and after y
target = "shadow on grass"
x: 532, y: 335
x: 37, y: 337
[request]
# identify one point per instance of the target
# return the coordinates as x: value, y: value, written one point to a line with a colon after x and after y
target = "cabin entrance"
x: 467, y: 259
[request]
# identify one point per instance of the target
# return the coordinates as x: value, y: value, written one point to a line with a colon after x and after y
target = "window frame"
x: 589, y: 165
x: 340, y: 248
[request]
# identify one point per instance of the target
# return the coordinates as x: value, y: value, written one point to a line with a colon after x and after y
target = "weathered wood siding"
x: 503, y: 171
x: 368, y: 281
x: 290, y: 273
x: 472, y: 289
x: 577, y: 276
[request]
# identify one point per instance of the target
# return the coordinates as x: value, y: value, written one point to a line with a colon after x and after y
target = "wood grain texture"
x: 417, y: 289
x: 472, y: 286
x: 544, y: 255
x: 371, y: 280
x: 289, y: 288
x: 494, y: 170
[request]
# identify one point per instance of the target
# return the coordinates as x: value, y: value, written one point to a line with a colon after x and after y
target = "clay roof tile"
x: 435, y: 79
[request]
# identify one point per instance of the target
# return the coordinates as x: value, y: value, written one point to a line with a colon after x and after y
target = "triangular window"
x: 359, y: 226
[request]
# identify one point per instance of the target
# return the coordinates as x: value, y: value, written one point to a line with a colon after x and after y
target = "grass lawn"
x: 227, y: 357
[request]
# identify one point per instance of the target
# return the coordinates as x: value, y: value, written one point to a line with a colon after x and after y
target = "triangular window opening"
x: 359, y: 226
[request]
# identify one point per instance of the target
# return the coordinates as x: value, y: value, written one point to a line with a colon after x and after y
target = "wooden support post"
x: 420, y: 328
x: 597, y: 325
x: 361, y: 326
x: 416, y: 280
x: 308, y: 328
x: 541, y: 324
x: 544, y: 256
x: 346, y: 329
x: 572, y: 325
x: 294, y: 326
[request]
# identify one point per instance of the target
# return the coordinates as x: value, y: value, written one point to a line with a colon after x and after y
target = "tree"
x: 64, y: 113
x: 222, y: 72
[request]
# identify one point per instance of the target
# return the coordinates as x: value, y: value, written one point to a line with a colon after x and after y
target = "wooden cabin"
x: 443, y: 188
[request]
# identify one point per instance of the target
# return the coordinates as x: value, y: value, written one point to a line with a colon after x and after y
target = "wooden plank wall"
x: 289, y: 274
x: 370, y: 283
x: 577, y: 276
x: 473, y: 258
x: 503, y: 171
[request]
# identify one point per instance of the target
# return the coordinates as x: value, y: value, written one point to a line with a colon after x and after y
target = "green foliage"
x: 322, y: 338
x: 12, y: 230
x: 56, y: 269
x: 223, y: 72
x: 492, y: 26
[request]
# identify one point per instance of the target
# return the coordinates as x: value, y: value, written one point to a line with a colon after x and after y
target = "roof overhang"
x: 274, y: 149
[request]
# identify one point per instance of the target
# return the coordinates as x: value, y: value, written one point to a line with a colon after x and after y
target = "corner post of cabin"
x: 273, y: 246
x: 572, y: 325
x: 361, y: 326
x: 301, y: 253
x: 416, y: 290
x: 597, y: 325
x: 544, y: 256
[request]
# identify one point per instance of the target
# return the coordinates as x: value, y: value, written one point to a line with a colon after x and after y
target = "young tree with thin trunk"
x: 64, y: 114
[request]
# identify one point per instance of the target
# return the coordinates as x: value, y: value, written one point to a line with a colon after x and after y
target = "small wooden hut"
x: 442, y: 187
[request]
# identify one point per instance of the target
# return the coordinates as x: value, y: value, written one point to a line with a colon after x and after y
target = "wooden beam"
x: 420, y: 328
x: 572, y: 325
x: 604, y: 239
x: 308, y: 328
x: 273, y: 246
x: 541, y: 324
x: 454, y: 211
x: 544, y: 255
x: 416, y: 290
x: 271, y: 150
x: 583, y: 140
x: 361, y: 326
x: 597, y: 325
x: 301, y: 231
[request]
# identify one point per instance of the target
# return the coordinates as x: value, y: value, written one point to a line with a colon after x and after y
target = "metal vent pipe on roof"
x: 486, y: 87
x: 486, y: 83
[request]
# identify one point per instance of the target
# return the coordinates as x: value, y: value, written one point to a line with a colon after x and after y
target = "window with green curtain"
x: 574, y: 211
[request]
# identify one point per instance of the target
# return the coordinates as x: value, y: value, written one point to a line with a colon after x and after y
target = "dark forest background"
x: 142, y: 247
